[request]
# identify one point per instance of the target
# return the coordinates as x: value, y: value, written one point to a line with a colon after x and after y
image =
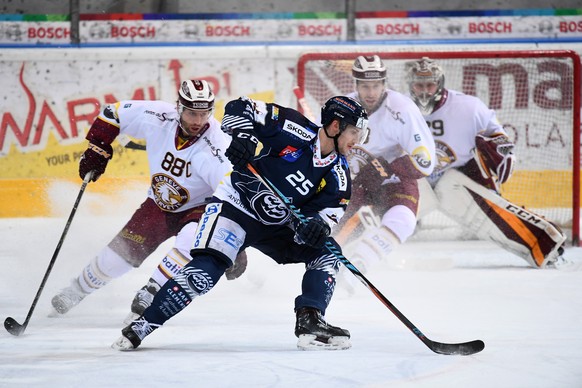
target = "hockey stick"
x: 303, y: 103
x: 126, y: 142
x: 10, y: 323
x: 464, y: 348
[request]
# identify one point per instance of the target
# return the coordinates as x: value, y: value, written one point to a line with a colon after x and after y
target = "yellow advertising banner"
x: 49, y: 107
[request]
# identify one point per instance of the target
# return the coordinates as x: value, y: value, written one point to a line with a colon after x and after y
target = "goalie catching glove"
x: 242, y: 148
x: 313, y: 232
x: 494, y: 156
x: 95, y: 159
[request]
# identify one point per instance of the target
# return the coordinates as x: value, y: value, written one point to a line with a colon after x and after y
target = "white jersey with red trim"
x: 182, y: 177
x: 397, y: 128
x: 454, y: 125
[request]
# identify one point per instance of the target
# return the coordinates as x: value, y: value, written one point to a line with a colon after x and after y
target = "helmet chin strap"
x: 335, y: 139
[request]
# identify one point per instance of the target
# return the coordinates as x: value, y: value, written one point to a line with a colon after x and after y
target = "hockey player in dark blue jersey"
x: 307, y: 165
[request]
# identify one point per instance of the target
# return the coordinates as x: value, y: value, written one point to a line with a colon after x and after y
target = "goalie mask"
x: 195, y: 105
x: 426, y: 82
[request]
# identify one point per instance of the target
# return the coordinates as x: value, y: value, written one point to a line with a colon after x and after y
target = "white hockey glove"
x: 494, y: 156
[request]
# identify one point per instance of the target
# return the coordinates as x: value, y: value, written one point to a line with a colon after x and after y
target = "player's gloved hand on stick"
x: 95, y: 158
x: 313, y: 232
x: 242, y: 148
x: 238, y: 268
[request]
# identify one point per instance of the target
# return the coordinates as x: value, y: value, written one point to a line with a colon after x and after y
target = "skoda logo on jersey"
x: 297, y: 130
x: 341, y: 177
x: 269, y: 209
x: 168, y: 194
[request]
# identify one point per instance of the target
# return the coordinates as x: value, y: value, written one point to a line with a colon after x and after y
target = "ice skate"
x: 68, y: 297
x: 133, y: 334
x: 561, y: 263
x: 142, y: 300
x: 316, y: 334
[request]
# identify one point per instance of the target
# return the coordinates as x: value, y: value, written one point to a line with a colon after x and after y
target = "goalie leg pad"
x: 492, y: 217
x: 427, y: 201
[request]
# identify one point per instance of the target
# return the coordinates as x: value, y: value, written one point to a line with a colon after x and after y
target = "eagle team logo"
x: 445, y: 156
x: 168, y: 194
x: 357, y: 159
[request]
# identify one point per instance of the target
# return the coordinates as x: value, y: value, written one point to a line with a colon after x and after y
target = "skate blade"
x: 122, y: 344
x: 309, y: 342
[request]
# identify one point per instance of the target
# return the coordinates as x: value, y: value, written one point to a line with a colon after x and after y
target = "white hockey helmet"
x: 196, y: 95
x: 368, y: 68
x: 423, y: 72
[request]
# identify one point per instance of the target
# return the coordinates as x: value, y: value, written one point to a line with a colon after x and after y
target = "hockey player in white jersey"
x: 475, y: 156
x: 185, y: 148
x: 399, y: 151
x: 307, y: 165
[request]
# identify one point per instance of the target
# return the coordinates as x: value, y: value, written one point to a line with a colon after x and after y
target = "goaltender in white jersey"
x: 475, y: 156
x: 185, y: 147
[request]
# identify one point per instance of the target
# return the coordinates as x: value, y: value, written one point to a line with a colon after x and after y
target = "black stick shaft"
x: 465, y: 348
x: 11, y: 322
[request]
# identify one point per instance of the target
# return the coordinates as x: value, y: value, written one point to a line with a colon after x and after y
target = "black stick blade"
x: 462, y: 349
x: 13, y: 327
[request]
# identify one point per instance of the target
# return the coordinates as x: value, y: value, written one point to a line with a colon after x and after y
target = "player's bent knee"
x: 401, y: 221
x: 219, y: 235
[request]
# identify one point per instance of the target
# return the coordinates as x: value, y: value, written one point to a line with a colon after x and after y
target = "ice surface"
x: 241, y: 333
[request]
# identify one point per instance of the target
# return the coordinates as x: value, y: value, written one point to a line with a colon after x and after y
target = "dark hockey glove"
x: 95, y: 158
x: 313, y: 232
x: 238, y: 268
x: 376, y: 173
x: 494, y: 155
x: 242, y: 148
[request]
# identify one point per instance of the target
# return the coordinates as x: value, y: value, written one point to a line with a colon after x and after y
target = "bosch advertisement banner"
x: 474, y: 28
x: 538, y: 25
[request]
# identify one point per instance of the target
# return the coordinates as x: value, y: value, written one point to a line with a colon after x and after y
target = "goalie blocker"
x: 491, y: 217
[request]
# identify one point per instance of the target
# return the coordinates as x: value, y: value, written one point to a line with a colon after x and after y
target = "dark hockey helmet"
x: 368, y: 68
x: 426, y: 82
x: 348, y: 111
x: 196, y: 95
